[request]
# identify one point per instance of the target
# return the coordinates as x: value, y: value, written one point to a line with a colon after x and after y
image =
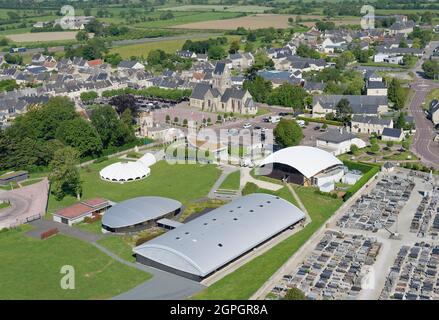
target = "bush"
x: 368, y: 172
x: 92, y: 219
x: 100, y: 159
x: 321, y: 120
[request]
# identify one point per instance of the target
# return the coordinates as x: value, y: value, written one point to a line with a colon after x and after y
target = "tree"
x: 78, y: 133
x: 167, y: 118
x: 112, y: 130
x: 354, y: 149
x: 396, y: 93
x: 64, y: 176
x: 8, y: 85
x: 344, y: 59
x: 294, y: 294
x: 305, y: 51
x: 288, y: 95
x: 258, y: 88
x: 389, y: 144
x: 343, y: 110
x: 374, y: 147
x: 431, y: 69
x: 113, y: 58
x: 123, y: 102
x: 216, y: 53
x: 88, y: 96
x: 82, y: 36
x: 249, y: 47
x: 288, y: 133
x: 405, y: 144
x: 400, y: 121
x: 234, y: 46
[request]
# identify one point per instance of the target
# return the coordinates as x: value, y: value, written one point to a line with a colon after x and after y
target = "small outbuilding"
x: 79, y: 211
x: 15, y: 176
x: 139, y: 213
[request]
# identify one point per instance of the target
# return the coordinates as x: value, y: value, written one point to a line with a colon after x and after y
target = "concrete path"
x: 246, y: 177
x: 43, y: 225
x: 300, y: 203
x: 226, y: 170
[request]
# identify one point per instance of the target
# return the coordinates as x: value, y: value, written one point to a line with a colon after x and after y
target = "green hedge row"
x: 321, y: 120
x: 368, y: 171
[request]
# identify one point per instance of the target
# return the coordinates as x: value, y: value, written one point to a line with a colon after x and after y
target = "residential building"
x: 376, y: 88
x: 363, y: 105
x: 368, y: 124
x: 392, y: 134
x: 338, y: 141
x: 434, y: 111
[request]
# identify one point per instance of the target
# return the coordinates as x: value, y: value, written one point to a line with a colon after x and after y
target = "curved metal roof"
x: 307, y: 160
x: 138, y: 210
x: 210, y: 241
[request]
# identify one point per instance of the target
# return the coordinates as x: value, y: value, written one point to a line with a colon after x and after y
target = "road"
x: 423, y: 145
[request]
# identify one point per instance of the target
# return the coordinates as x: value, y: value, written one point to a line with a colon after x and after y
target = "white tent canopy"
x: 307, y: 160
x: 125, y: 171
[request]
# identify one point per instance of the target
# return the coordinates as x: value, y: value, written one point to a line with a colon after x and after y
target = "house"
x: 391, y: 134
x: 368, y: 124
x: 376, y: 88
x: 94, y: 63
x: 241, y: 61
x: 338, y: 141
x: 38, y: 59
x: 79, y: 211
x: 363, y: 105
x: 186, y: 54
x: 201, y: 57
x: 278, y: 78
x: 395, y: 55
x: 401, y: 27
x: 332, y: 44
x: 314, y: 87
x: 128, y: 64
x: 433, y: 113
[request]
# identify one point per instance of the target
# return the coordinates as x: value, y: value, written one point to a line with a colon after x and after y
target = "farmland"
x: 232, y: 8
x: 43, y: 36
x: 259, y: 21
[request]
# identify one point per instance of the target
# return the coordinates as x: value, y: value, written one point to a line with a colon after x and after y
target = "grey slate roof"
x: 219, y: 68
x: 336, y: 136
x: 392, y: 132
x: 371, y: 120
x: 359, y: 104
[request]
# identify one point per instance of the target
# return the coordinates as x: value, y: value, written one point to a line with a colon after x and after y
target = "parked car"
x: 247, y: 125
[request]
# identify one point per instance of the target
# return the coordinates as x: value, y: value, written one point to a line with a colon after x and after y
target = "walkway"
x: 42, y: 225
x: 246, y: 177
x: 300, y: 203
x: 213, y: 194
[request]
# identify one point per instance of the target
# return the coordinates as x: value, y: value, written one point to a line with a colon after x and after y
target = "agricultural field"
x: 187, y: 17
x: 232, y: 8
x: 43, y: 36
x: 261, y: 21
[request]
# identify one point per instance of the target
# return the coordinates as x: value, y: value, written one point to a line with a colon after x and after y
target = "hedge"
x: 321, y: 120
x: 154, y: 92
x: 368, y: 171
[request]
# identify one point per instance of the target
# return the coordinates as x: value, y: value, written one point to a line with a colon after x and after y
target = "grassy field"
x: 433, y: 94
x: 4, y: 205
x: 94, y: 227
x: 31, y: 269
x: 232, y: 181
x: 246, y: 280
x: 173, y: 181
x: 231, y: 8
x: 187, y: 17
x: 142, y: 49
x: 118, y: 246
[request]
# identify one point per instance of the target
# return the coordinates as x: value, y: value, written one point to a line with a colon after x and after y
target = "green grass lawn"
x: 246, y: 280
x: 433, y: 94
x: 199, y: 206
x: 182, y: 182
x: 232, y: 181
x: 118, y: 246
x: 30, y: 269
x: 94, y: 227
x: 4, y: 205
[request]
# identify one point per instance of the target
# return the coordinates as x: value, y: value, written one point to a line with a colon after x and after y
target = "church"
x: 221, y: 96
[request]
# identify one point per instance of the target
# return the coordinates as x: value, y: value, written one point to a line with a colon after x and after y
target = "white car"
x: 247, y: 125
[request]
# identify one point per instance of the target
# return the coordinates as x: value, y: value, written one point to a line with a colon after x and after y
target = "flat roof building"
x: 79, y: 211
x: 204, y: 245
x: 139, y: 213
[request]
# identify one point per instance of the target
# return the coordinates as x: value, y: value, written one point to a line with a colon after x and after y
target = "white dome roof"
x: 307, y: 160
x: 125, y: 171
x: 148, y: 159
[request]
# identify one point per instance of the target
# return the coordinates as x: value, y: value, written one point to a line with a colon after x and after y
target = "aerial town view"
x: 194, y: 150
